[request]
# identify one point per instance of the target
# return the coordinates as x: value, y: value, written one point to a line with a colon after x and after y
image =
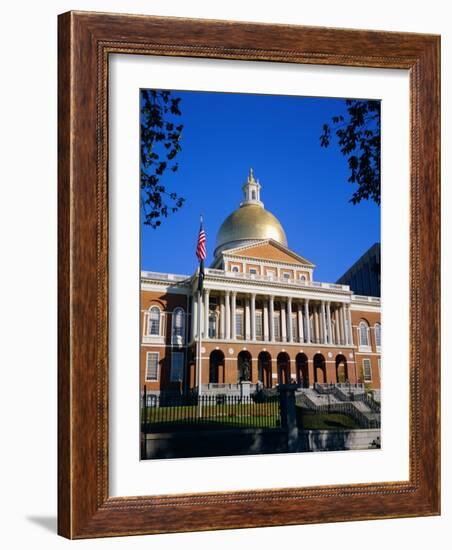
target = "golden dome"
x: 248, y: 223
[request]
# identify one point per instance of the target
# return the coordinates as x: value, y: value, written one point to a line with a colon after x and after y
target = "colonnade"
x: 251, y: 317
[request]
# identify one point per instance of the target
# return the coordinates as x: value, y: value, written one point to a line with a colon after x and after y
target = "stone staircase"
x: 365, y: 411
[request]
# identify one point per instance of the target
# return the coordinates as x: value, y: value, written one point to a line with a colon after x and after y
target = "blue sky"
x: 304, y: 185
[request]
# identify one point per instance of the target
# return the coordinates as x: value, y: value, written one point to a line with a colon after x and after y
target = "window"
x: 177, y: 366
x: 286, y: 275
x: 294, y: 326
x: 239, y: 324
x: 235, y: 269
x: 154, y: 321
x: 259, y: 331
x: 253, y: 271
x: 270, y: 274
x: 363, y: 334
x: 178, y: 325
x: 378, y: 335
x: 367, y: 370
x: 253, y: 195
x: 152, y: 366
x: 212, y: 324
x: 302, y: 278
x: 276, y: 327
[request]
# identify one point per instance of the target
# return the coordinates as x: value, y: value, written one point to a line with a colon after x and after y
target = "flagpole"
x: 201, y: 254
x: 199, y: 354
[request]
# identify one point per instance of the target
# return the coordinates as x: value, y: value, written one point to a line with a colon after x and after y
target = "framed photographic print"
x: 248, y: 275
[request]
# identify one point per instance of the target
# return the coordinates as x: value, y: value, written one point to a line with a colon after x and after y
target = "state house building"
x: 264, y: 317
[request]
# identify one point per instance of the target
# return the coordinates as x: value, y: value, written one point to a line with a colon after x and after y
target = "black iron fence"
x: 226, y: 411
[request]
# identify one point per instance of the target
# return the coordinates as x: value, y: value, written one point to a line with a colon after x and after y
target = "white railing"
x: 267, y: 279
x: 359, y: 298
x: 163, y: 276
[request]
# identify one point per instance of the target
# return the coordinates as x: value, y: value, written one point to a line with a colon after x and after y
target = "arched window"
x: 154, y: 321
x: 363, y: 334
x: 253, y: 195
x: 235, y: 269
x: 178, y: 325
x: 377, y: 335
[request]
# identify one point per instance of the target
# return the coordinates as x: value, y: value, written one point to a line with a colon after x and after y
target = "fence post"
x: 289, y: 415
x: 143, y: 421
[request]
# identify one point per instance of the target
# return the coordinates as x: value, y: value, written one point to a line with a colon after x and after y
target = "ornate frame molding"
x: 85, y: 42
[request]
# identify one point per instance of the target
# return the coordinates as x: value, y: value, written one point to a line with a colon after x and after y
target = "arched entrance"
x: 264, y: 369
x: 244, y: 366
x: 216, y: 367
x: 283, y: 363
x: 319, y: 369
x: 302, y: 370
x: 341, y: 369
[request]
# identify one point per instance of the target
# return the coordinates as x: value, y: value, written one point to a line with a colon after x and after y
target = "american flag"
x: 201, y: 251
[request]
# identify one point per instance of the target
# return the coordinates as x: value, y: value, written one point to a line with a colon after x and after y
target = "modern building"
x: 263, y: 316
x: 363, y: 277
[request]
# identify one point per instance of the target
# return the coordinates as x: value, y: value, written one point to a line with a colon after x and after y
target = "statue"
x: 245, y: 370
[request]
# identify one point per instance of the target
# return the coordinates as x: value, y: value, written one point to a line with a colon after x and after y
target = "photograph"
x: 260, y: 290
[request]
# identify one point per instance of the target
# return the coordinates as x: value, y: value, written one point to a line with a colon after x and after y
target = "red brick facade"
x: 305, y: 363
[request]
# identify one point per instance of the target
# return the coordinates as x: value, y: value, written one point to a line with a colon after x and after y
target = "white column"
x: 316, y: 323
x: 265, y: 321
x: 289, y: 320
x: 325, y: 332
x: 300, y: 323
x: 247, y: 319
x: 283, y: 321
x: 328, y: 321
x: 337, y: 327
x: 344, y: 335
x: 272, y: 314
x: 306, y: 316
x: 350, y: 326
x: 206, y: 313
x: 233, y: 305
x: 227, y: 314
x: 222, y: 323
x: 194, y: 324
x: 253, y: 317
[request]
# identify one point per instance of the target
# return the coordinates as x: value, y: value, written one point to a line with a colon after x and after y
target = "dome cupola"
x: 250, y: 222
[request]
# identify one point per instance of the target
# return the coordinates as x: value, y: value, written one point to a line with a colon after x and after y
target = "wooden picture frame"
x: 86, y: 40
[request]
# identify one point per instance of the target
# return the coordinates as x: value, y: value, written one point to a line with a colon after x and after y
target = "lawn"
x: 325, y: 421
x: 256, y: 415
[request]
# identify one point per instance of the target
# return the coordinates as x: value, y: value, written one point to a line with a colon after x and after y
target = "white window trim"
x: 377, y: 347
x: 178, y: 340
x: 148, y: 353
x: 363, y: 347
x: 153, y: 338
x: 366, y: 359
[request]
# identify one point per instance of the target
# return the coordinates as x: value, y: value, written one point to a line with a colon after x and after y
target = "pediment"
x: 269, y: 250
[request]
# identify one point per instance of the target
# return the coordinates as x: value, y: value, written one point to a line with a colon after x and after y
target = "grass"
x: 325, y: 421
x: 218, y: 416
